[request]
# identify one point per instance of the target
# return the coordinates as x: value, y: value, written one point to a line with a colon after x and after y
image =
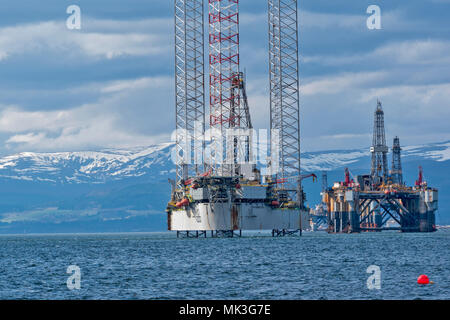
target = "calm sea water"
x: 159, y: 266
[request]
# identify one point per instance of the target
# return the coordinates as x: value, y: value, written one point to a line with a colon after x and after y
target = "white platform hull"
x: 241, y: 216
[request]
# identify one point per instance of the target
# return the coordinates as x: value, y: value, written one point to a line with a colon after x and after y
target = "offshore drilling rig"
x: 368, y: 202
x: 218, y: 188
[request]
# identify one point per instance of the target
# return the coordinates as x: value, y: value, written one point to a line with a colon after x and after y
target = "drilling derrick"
x: 396, y: 169
x: 225, y: 85
x: 242, y: 147
x: 189, y: 87
x: 284, y: 92
x: 379, y: 149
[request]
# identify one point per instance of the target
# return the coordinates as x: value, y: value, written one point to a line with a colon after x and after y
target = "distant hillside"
x: 127, y: 190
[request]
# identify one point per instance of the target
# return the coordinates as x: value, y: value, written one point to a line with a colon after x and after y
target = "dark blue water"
x: 159, y: 266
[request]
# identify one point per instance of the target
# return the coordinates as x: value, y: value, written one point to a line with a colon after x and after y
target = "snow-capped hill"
x: 436, y: 151
x: 155, y: 162
x: 87, y: 166
x: 331, y: 160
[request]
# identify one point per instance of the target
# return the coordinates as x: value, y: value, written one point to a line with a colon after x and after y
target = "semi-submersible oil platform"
x: 219, y: 190
x: 369, y: 202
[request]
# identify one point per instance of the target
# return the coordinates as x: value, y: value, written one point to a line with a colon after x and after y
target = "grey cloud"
x: 54, y: 36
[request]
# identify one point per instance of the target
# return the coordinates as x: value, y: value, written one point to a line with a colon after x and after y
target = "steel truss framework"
x: 396, y: 168
x: 320, y: 220
x: 227, y: 111
x: 284, y: 89
x: 189, y: 86
x: 370, y: 211
x: 379, y: 149
x: 389, y: 207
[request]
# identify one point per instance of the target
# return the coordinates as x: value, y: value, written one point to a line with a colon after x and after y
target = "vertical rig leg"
x: 284, y: 93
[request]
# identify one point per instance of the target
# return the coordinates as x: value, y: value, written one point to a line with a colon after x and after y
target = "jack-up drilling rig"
x: 232, y: 194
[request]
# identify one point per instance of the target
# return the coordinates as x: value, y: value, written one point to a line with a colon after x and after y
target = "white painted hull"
x: 241, y: 216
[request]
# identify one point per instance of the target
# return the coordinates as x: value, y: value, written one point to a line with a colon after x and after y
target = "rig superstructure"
x: 218, y: 188
x: 368, y: 202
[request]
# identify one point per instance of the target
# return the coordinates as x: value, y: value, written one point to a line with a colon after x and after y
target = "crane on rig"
x: 420, y: 181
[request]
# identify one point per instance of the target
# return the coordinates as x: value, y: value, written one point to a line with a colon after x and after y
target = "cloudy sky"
x: 110, y: 84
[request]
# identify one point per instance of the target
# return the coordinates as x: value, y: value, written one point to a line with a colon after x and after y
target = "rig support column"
x: 189, y: 86
x: 284, y: 91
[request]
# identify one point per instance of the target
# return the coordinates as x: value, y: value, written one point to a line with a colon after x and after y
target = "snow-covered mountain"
x: 332, y: 160
x: 127, y: 190
x: 87, y: 166
x: 118, y: 164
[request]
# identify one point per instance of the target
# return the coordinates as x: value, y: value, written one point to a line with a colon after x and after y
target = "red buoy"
x: 423, y: 279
